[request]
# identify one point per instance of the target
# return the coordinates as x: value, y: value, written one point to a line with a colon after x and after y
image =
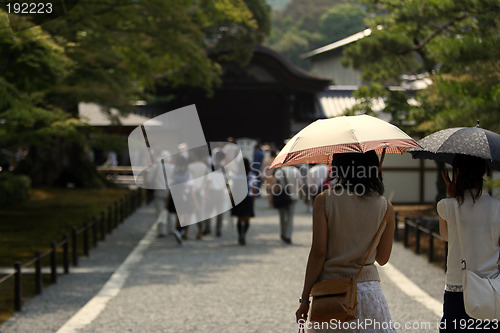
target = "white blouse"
x: 480, y: 234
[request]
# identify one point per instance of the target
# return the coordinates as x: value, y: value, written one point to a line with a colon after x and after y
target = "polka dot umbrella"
x: 473, y: 141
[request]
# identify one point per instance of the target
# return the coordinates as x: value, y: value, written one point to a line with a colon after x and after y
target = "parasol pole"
x: 381, y: 161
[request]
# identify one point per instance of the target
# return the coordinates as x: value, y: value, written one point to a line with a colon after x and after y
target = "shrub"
x: 13, y: 188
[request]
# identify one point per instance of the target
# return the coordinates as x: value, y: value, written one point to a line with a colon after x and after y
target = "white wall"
x: 331, y: 68
x: 402, y: 179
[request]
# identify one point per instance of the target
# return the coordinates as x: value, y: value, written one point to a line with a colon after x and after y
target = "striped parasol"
x: 347, y: 134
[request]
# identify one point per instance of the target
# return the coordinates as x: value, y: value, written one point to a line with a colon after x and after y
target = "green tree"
x: 32, y: 65
x: 278, y: 4
x: 454, y: 43
x: 121, y: 48
x: 294, y: 43
x: 341, y: 21
x: 305, y: 25
x: 306, y: 13
x: 110, y: 53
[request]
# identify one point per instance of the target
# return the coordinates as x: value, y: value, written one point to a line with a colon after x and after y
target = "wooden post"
x: 122, y: 210
x: 137, y: 203
x: 110, y: 219
x: 18, y: 289
x: 94, y: 231
x: 66, y: 253
x: 431, y: 247
x: 53, y: 262
x: 74, y: 242
x: 127, y: 204
x: 406, y: 231
x: 396, y: 231
x: 116, y: 213
x: 103, y: 226
x: 38, y: 272
x: 86, y: 239
x: 130, y: 203
x: 418, y: 233
x: 422, y: 181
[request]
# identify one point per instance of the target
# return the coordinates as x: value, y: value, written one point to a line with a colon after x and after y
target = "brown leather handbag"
x: 337, y: 298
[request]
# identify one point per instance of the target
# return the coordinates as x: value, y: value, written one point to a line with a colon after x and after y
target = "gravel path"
x: 213, y: 285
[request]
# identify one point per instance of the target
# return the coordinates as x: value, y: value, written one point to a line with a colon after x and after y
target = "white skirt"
x: 372, y: 314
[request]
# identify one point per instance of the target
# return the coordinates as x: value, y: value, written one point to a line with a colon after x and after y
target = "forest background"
x: 114, y: 54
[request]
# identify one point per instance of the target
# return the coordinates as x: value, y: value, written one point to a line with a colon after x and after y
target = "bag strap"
x: 457, y: 218
x: 460, y: 243
x: 372, y: 245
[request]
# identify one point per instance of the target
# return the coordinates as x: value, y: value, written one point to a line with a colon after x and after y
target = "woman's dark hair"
x: 358, y: 170
x: 470, y: 176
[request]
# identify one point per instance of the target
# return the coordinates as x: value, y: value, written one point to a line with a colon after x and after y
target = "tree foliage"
x: 120, y: 48
x: 341, y: 21
x: 305, y: 25
x: 110, y: 53
x: 454, y: 43
x: 31, y: 64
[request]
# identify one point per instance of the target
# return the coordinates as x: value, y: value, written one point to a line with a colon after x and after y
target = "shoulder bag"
x: 481, y: 294
x: 337, y: 298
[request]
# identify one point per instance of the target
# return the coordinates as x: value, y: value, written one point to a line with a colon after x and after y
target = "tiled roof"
x: 335, y: 101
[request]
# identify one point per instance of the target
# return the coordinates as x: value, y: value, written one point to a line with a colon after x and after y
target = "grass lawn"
x: 32, y: 225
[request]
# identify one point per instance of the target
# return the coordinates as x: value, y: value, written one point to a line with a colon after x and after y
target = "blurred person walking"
x: 316, y: 176
x: 258, y: 158
x: 216, y: 191
x: 231, y: 150
x: 245, y: 209
x: 287, y: 179
x: 268, y: 175
x: 154, y: 179
x: 346, y: 220
x: 186, y: 203
x: 199, y: 169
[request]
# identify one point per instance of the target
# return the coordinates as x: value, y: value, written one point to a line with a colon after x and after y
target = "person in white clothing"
x: 216, y: 190
x: 182, y: 187
x: 316, y: 176
x: 199, y: 170
x: 479, y: 230
x: 231, y: 151
x: 155, y: 178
